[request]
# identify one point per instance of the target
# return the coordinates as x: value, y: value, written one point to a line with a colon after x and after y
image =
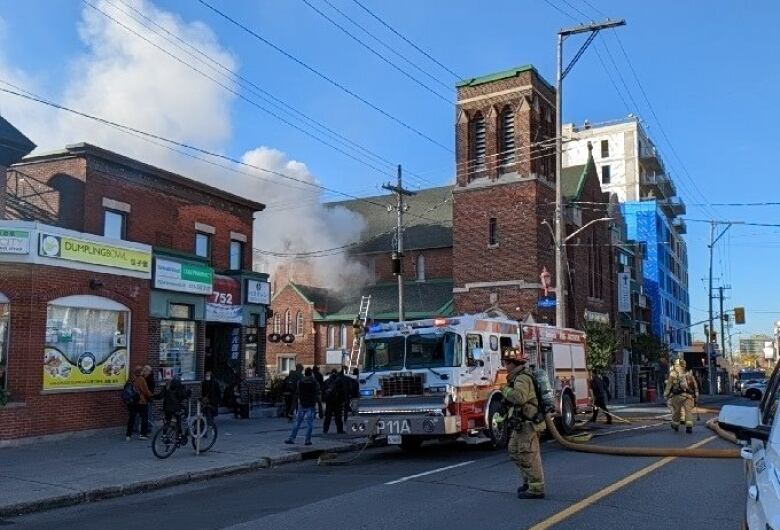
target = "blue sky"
x: 709, y: 70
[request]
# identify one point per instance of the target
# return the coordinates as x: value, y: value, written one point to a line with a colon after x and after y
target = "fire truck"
x: 442, y: 378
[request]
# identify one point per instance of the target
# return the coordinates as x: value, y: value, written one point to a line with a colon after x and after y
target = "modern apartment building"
x: 630, y: 168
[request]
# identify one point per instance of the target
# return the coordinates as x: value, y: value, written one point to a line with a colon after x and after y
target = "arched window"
x: 332, y: 330
x: 478, y: 144
x: 299, y: 323
x: 343, y: 336
x: 420, y: 268
x: 506, y: 144
x: 277, y: 323
x: 5, y: 324
x: 287, y: 322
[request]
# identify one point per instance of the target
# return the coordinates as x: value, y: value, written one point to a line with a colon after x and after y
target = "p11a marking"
x: 393, y: 427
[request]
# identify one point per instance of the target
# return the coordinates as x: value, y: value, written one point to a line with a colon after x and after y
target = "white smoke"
x: 122, y: 78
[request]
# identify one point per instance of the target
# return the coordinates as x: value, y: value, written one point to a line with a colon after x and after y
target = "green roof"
x: 573, y: 179
x: 427, y: 299
x: 512, y: 72
x: 428, y: 220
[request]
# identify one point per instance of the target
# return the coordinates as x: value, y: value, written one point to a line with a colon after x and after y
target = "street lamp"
x: 593, y: 29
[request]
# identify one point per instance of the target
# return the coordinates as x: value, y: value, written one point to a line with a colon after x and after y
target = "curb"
x: 145, y: 486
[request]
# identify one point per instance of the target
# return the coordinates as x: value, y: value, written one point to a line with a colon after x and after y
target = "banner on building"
x: 624, y: 292
x: 183, y: 276
x: 14, y: 241
x: 94, y: 253
x: 87, y: 372
x: 224, y: 304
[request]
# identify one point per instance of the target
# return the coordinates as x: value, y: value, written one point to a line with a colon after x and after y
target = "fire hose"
x: 647, y: 451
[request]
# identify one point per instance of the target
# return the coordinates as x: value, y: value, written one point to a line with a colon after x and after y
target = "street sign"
x: 546, y: 302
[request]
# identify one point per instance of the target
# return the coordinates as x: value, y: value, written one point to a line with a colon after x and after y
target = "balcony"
x: 660, y: 185
x: 674, y: 206
x: 680, y: 226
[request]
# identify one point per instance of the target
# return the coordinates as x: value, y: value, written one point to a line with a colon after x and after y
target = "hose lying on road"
x: 638, y: 451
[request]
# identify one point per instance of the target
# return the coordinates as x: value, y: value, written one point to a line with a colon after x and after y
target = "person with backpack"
x: 526, y: 421
x: 290, y: 386
x: 136, y: 396
x: 682, y: 391
x: 336, y: 392
x: 307, y: 394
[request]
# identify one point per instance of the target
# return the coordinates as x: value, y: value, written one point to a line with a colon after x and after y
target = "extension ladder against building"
x: 359, y: 332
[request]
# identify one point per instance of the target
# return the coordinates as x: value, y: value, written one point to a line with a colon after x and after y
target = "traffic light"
x: 739, y: 315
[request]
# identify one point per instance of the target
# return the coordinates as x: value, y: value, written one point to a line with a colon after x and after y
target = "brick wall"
x: 438, y: 264
x: 29, y: 289
x: 304, y: 346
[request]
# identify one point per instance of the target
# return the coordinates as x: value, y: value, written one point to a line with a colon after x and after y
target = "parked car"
x: 745, y: 375
x: 754, y: 389
x: 755, y: 426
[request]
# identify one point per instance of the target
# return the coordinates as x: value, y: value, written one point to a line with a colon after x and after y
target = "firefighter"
x: 682, y: 393
x: 525, y: 423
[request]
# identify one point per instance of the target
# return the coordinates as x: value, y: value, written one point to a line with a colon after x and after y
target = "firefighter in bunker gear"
x: 524, y: 439
x: 682, y: 393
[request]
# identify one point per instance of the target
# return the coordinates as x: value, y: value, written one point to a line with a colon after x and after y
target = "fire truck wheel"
x: 496, y: 431
x: 568, y: 417
x: 411, y: 443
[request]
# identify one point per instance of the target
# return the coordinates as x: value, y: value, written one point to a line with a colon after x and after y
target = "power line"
x: 406, y: 40
x: 324, y: 77
x: 376, y: 53
x: 232, y: 91
x: 389, y: 48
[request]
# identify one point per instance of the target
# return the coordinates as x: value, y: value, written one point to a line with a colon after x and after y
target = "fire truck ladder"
x: 357, y: 340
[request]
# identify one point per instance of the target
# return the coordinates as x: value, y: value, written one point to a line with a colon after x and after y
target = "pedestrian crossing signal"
x: 739, y: 315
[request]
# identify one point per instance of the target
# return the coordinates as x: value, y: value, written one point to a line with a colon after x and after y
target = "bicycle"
x: 178, y: 431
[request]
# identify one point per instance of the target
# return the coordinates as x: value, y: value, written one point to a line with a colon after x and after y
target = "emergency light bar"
x: 415, y: 324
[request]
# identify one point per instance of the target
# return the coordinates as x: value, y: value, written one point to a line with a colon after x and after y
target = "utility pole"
x: 710, y: 360
x: 560, y: 229
x: 400, y: 208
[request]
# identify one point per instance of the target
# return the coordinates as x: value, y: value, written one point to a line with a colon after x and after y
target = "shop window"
x: 203, y: 245
x: 236, y: 255
x: 114, y: 224
x: 177, y: 349
x: 285, y: 364
x: 5, y: 324
x: 299, y: 324
x: 87, y: 341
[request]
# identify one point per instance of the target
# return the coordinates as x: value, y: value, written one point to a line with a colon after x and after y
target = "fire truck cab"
x: 441, y: 378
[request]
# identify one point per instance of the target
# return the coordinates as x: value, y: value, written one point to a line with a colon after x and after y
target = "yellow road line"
x: 609, y: 490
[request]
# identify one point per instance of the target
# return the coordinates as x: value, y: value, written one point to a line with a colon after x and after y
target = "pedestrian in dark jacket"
x: 599, y: 398
x: 605, y: 380
x: 336, y: 392
x: 350, y: 404
x: 174, y: 395
x: 140, y: 407
x: 210, y: 394
x: 290, y: 387
x: 321, y: 383
x: 307, y: 395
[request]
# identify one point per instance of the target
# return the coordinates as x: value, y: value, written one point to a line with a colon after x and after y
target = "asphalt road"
x: 444, y: 486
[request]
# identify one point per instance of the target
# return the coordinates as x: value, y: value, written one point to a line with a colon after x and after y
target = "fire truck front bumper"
x: 397, y: 424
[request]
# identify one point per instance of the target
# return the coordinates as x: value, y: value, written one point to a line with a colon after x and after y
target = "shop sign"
x: 594, y: 316
x: 94, y: 253
x: 224, y: 304
x: 624, y: 292
x: 182, y: 276
x: 258, y: 292
x: 14, y: 241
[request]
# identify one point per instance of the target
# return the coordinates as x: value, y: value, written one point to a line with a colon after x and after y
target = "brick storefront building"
x: 111, y: 263
x: 485, y: 236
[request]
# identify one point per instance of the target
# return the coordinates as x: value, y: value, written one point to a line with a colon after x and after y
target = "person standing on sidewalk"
x: 335, y: 393
x: 290, y: 387
x: 210, y: 394
x: 321, y: 383
x: 599, y: 398
x: 140, y: 406
x: 307, y: 394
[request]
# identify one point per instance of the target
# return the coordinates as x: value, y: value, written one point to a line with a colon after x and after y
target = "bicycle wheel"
x: 165, y: 441
x: 208, y: 436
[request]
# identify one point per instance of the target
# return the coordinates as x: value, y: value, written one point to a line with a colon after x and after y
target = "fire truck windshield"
x: 432, y: 350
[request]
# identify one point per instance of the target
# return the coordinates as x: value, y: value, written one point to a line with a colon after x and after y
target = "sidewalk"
x: 51, y: 474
